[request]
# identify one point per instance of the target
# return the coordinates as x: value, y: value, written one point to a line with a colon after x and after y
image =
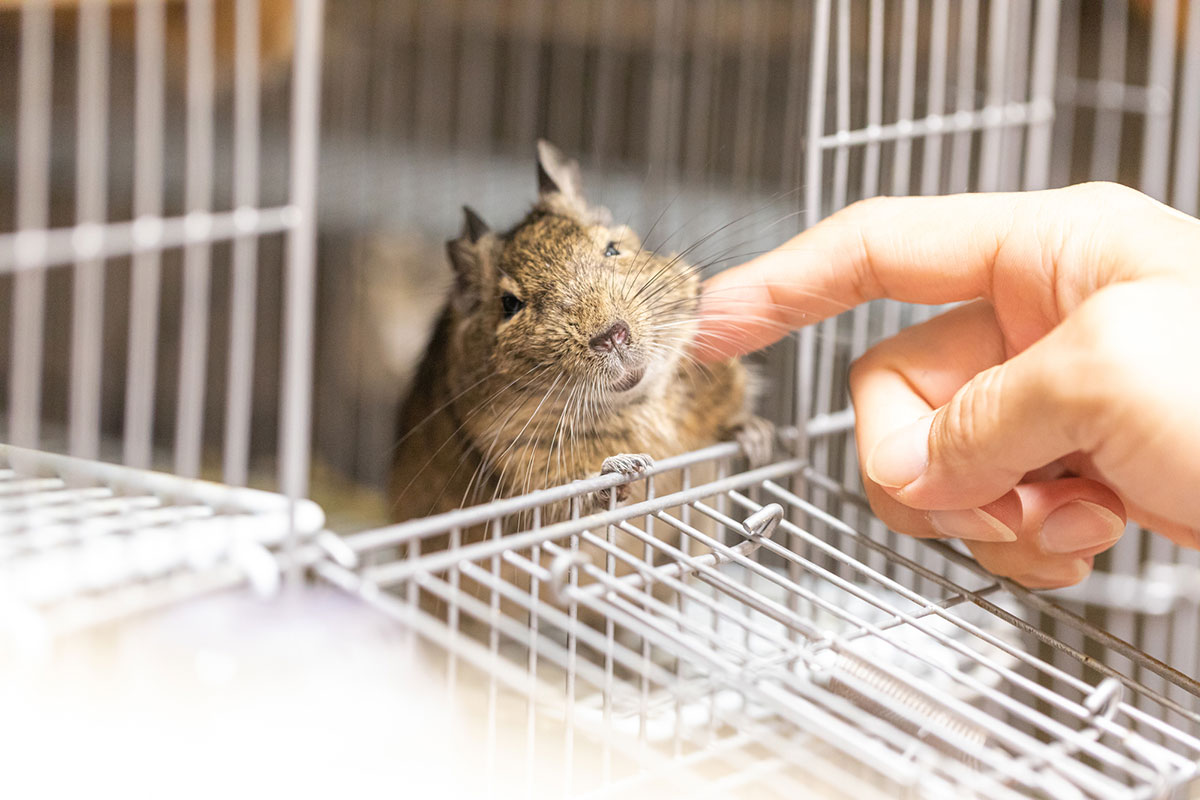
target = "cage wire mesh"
x: 135, y: 180
x: 741, y: 632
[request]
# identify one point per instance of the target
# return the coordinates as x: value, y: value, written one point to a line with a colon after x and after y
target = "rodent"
x: 561, y: 353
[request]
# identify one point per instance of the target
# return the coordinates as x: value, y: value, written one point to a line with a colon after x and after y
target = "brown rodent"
x: 561, y: 353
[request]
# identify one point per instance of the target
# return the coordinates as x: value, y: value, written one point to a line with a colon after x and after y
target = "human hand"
x: 1031, y: 421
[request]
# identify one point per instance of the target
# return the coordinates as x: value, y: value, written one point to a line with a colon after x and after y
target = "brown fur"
x: 503, y: 406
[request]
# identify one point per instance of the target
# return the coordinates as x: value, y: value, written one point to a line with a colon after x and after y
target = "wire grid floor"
x: 707, y: 637
x: 83, y: 542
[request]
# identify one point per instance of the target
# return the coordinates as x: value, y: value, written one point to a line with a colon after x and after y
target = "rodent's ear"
x: 468, y: 258
x: 474, y: 228
x: 560, y: 187
x: 557, y: 173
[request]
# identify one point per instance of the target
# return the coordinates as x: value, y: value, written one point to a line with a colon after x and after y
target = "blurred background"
x: 689, y: 113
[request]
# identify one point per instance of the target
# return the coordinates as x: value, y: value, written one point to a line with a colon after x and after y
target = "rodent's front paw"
x: 757, y: 438
x: 628, y: 464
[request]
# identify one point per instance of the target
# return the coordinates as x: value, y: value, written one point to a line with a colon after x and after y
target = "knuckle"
x: 1030, y: 568
x: 886, y: 355
x: 961, y: 434
x: 860, y: 368
x: 856, y: 222
x: 1098, y: 205
x: 1103, y: 191
x: 865, y: 207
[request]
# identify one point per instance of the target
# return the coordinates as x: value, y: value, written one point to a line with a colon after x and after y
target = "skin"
x: 504, y: 403
x: 1059, y: 401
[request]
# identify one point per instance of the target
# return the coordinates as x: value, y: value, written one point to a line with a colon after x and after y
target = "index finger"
x: 934, y: 250
x: 929, y: 250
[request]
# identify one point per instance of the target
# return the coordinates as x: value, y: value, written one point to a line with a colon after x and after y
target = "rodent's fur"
x: 505, y: 404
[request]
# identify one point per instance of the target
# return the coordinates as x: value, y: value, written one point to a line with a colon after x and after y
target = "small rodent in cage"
x: 561, y: 353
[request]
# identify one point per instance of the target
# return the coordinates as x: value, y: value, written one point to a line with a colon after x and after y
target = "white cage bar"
x: 160, y: 226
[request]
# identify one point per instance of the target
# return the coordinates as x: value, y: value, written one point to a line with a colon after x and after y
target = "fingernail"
x: 902, y: 455
x: 971, y: 523
x: 1080, y: 525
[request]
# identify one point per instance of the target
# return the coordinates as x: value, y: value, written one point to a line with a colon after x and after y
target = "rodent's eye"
x: 612, y: 250
x: 511, y: 304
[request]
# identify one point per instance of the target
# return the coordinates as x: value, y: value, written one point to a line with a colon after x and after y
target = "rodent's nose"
x: 616, y: 336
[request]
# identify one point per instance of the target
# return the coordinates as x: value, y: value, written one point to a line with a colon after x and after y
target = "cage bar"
x: 33, y: 208
x: 145, y: 281
x: 750, y: 632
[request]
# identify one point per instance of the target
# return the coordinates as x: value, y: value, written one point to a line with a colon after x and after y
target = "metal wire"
x: 752, y: 631
x: 911, y: 685
x: 79, y: 556
x: 147, y: 263
x: 83, y: 542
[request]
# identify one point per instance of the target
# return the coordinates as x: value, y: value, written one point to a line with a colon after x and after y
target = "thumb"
x: 1007, y: 420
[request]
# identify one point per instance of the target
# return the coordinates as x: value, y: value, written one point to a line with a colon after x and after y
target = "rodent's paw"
x: 757, y: 438
x: 629, y: 464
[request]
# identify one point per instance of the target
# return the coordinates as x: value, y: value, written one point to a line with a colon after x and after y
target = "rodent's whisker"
x: 737, y: 220
x: 485, y: 404
x: 720, y: 229
x: 781, y: 306
x: 499, y: 460
x: 759, y: 320
x: 650, y: 232
x: 528, y: 461
x: 437, y: 411
x: 557, y: 437
x: 558, y: 432
x: 453, y: 435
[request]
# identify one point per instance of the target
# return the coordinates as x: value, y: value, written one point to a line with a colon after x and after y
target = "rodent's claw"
x: 757, y: 438
x: 628, y: 464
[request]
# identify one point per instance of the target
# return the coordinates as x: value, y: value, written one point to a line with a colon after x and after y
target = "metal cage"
x: 754, y: 632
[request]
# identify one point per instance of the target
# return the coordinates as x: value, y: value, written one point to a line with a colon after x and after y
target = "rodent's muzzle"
x: 617, y: 340
x: 629, y: 380
x: 617, y: 336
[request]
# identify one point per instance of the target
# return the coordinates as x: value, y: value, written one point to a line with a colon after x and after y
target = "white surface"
x: 310, y: 695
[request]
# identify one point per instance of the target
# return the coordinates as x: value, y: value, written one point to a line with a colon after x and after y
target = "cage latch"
x: 1103, y: 702
x: 1105, y: 698
x: 560, y: 569
x: 762, y: 523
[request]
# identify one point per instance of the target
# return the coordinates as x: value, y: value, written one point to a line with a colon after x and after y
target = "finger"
x: 997, y: 521
x: 898, y: 383
x: 1006, y: 421
x: 1065, y: 524
x: 935, y: 250
x: 1182, y: 534
x: 1051, y: 573
x: 1179, y: 533
x: 905, y: 378
x: 1057, y: 528
x: 856, y: 255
